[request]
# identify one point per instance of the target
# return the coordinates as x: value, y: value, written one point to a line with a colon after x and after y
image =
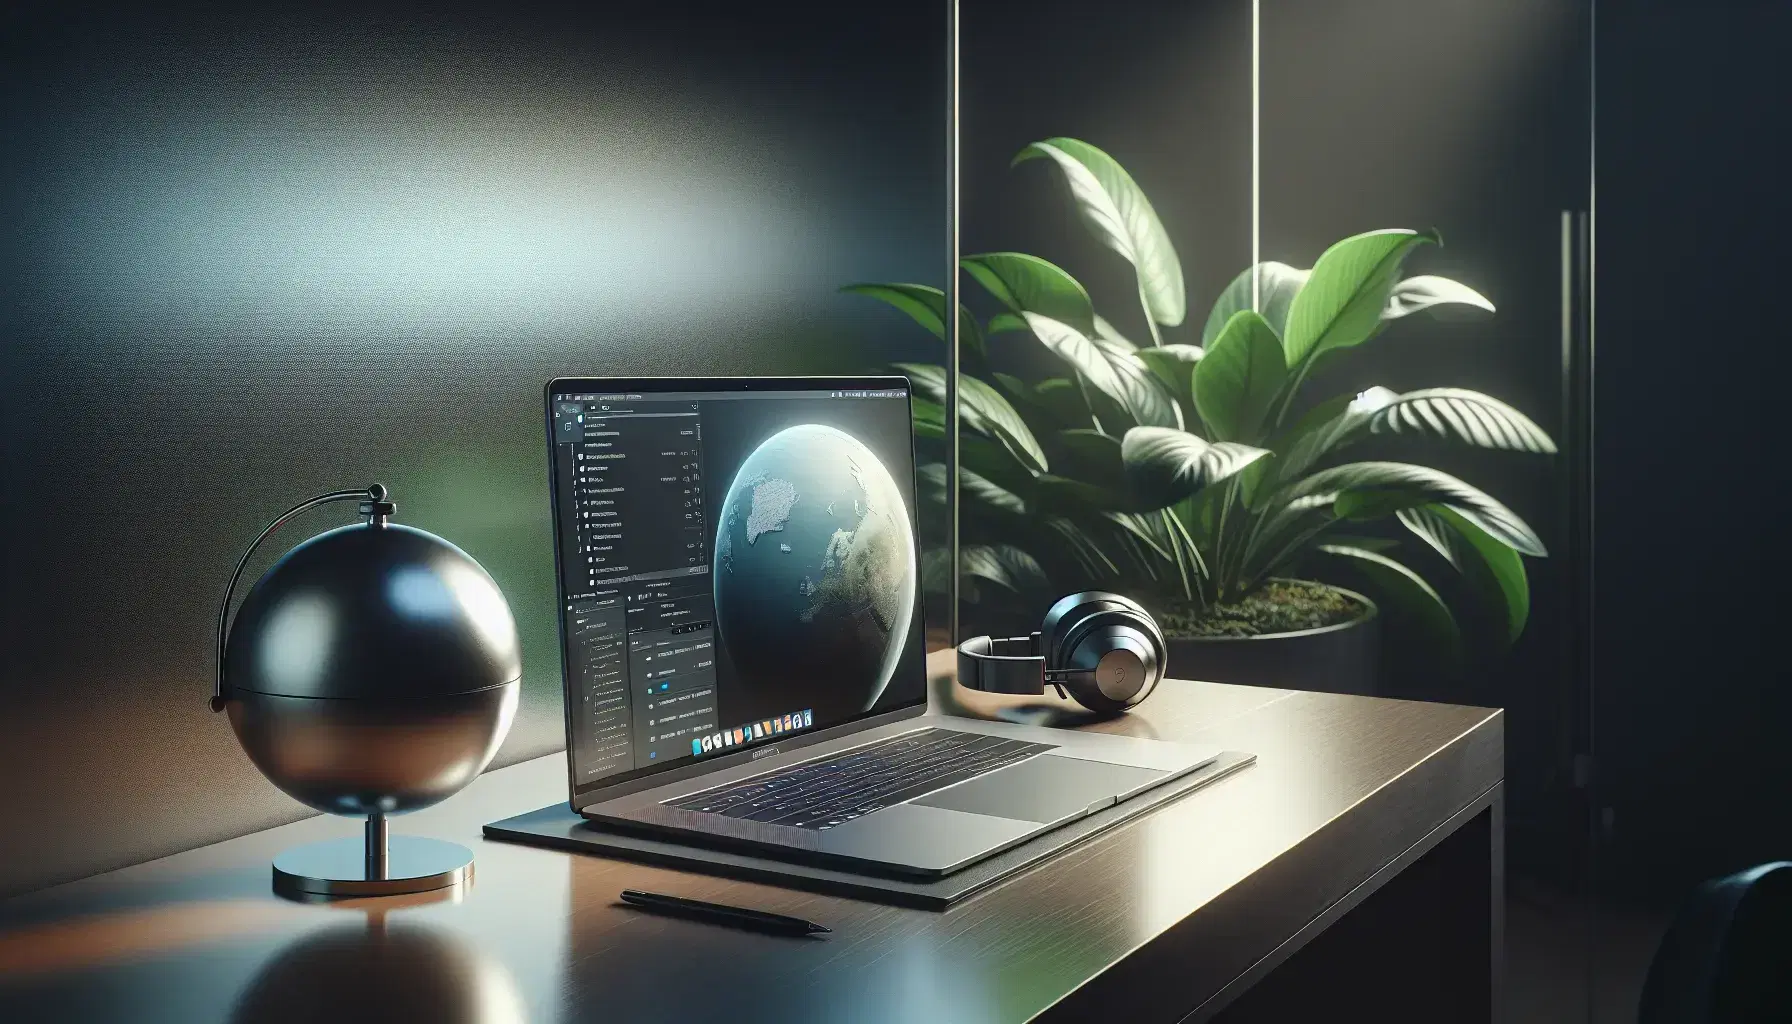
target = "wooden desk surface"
x: 1148, y: 922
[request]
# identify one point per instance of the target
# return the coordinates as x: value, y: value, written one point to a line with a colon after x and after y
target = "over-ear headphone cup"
x: 1110, y: 651
x: 1069, y: 612
x: 1114, y: 666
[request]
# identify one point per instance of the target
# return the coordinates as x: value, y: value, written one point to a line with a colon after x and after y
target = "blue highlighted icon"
x: 696, y: 746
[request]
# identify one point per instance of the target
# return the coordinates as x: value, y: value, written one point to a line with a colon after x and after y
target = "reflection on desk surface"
x: 382, y: 969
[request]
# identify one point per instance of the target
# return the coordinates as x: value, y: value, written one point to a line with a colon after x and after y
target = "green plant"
x: 1199, y: 471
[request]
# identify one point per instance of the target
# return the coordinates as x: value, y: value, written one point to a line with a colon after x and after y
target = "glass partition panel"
x: 1105, y: 176
x: 1425, y: 188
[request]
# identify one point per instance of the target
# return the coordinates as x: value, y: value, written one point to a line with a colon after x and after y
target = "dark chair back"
x: 1727, y: 957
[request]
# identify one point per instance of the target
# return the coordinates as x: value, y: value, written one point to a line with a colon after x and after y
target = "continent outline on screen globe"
x: 814, y: 569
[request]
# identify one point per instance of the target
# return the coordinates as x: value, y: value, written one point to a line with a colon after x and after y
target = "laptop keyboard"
x: 822, y: 794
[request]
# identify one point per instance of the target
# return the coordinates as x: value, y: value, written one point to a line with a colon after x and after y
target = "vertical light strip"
x: 1595, y: 791
x: 1256, y: 155
x: 951, y: 318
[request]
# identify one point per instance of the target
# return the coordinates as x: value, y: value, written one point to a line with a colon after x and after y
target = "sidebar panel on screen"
x: 640, y: 642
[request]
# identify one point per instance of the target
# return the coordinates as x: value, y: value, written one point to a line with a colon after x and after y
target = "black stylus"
x: 777, y: 924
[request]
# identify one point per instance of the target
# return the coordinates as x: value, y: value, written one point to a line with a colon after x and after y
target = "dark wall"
x: 251, y: 254
x: 1164, y: 88
x: 1693, y: 698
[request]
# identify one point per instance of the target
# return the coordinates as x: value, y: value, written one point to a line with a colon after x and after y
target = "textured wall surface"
x: 247, y: 257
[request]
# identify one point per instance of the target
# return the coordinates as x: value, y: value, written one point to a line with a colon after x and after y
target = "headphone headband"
x: 1006, y: 665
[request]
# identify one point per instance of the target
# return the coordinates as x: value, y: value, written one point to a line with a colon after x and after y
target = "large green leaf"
x: 1011, y: 384
x: 1148, y: 529
x: 1064, y: 399
x: 1028, y: 284
x: 1367, y: 490
x: 972, y: 486
x: 1277, y: 284
x: 1405, y: 590
x: 1326, y: 427
x: 1112, y: 370
x: 1237, y: 382
x: 936, y: 570
x: 1077, y: 497
x: 976, y: 487
x: 1003, y: 564
x: 1495, y: 570
x: 1428, y: 290
x: 929, y: 418
x: 1002, y: 322
x: 1442, y: 413
x: 1175, y: 366
x: 1144, y: 383
x: 981, y: 407
x: 1460, y: 415
x: 1379, y: 545
x: 1085, y: 550
x: 1148, y: 400
x: 994, y: 461
x: 1042, y: 417
x: 927, y: 305
x: 1116, y: 211
x: 1092, y: 457
x: 1107, y: 332
x: 930, y: 480
x: 1341, y: 303
x: 1295, y: 448
x: 1167, y: 465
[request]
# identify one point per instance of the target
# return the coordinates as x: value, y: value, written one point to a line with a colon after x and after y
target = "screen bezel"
x: 638, y: 779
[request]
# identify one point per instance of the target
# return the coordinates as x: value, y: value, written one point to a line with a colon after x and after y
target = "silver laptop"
x: 741, y: 635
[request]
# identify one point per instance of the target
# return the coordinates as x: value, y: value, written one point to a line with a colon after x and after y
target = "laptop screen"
x: 737, y: 562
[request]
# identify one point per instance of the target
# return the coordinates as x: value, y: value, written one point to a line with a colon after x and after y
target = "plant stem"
x: 1194, y: 550
x: 1151, y: 324
x: 1256, y: 531
x: 1082, y: 387
x: 1236, y: 549
x: 1291, y: 547
x: 1300, y: 377
x: 1176, y: 553
x: 1221, y: 550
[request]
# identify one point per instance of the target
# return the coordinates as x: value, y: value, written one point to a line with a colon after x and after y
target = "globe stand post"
x: 376, y: 846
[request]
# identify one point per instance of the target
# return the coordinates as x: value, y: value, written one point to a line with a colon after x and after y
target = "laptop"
x: 742, y: 643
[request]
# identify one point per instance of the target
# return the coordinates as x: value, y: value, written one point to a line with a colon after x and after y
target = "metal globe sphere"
x: 375, y: 669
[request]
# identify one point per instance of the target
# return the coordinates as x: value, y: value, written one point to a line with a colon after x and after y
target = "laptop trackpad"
x: 1045, y: 789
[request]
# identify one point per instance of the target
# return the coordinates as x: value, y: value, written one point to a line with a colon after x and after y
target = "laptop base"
x: 559, y: 827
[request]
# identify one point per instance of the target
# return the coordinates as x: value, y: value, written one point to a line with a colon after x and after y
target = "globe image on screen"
x: 815, y: 571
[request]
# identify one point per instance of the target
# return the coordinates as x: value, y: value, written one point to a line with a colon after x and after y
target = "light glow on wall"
x: 430, y: 202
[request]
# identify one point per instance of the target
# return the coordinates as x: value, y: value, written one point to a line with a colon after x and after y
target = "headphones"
x: 1103, y: 648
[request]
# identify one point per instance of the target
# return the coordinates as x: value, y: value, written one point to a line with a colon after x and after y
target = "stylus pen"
x: 759, y: 920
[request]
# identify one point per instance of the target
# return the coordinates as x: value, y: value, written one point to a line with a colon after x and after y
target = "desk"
x: 1358, y: 863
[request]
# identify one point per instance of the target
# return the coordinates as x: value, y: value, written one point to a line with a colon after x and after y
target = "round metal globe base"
x: 342, y: 868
